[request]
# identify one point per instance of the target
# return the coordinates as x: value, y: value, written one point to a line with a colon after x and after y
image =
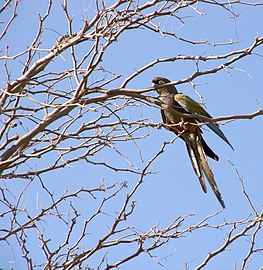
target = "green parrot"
x: 189, y: 130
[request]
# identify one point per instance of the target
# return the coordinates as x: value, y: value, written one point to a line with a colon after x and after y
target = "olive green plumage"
x: 174, y: 103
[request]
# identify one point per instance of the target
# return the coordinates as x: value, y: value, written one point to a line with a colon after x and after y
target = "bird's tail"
x: 208, y: 151
x: 195, y: 160
x: 201, y: 165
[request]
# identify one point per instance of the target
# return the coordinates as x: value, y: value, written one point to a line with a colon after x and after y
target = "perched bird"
x: 174, y: 104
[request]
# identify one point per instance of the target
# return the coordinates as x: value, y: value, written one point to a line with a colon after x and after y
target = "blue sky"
x: 174, y: 189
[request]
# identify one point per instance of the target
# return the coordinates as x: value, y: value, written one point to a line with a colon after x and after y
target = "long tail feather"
x: 207, y: 170
x: 195, y: 160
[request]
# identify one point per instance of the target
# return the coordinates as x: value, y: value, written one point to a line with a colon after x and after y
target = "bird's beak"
x: 154, y: 86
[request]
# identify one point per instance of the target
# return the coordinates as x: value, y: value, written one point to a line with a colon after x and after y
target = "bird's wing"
x: 193, y: 107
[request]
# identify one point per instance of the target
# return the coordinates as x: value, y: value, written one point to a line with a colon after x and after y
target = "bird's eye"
x: 161, y: 82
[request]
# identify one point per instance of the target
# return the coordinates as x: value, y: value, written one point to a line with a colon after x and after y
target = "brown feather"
x: 208, y: 172
x: 195, y: 160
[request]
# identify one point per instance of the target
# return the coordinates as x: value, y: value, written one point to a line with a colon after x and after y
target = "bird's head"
x: 158, y: 81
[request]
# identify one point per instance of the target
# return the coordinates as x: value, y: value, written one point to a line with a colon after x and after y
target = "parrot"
x: 188, y: 129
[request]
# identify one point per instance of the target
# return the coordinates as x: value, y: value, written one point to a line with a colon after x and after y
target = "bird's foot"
x: 167, y: 127
x: 184, y: 126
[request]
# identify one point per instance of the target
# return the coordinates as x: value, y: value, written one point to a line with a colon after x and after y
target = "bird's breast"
x: 171, y: 111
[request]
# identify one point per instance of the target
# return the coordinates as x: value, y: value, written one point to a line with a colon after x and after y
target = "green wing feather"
x: 195, y: 108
